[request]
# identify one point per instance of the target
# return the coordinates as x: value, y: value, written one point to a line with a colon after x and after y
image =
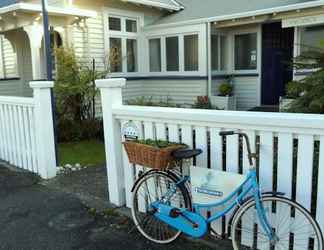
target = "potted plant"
x: 156, y: 154
x: 225, y: 98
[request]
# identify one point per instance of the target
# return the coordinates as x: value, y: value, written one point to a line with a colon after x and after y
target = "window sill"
x: 10, y: 79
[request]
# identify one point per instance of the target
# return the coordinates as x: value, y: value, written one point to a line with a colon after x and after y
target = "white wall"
x: 245, y: 90
x: 180, y: 91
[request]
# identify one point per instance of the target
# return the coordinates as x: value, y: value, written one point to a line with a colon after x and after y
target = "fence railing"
x: 26, y: 131
x: 290, y: 146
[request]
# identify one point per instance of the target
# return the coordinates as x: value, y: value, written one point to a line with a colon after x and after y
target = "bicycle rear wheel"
x: 154, y: 187
x: 293, y: 225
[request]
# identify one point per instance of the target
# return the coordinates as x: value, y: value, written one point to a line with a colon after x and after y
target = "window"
x: 114, y: 23
x: 155, y: 55
x: 214, y: 51
x: 223, y: 52
x: 175, y: 54
x: 123, y: 54
x: 115, y: 55
x: 218, y: 52
x: 246, y: 51
x: 131, y: 55
x: 312, y: 38
x: 131, y: 25
x: 191, y: 56
x: 172, y: 53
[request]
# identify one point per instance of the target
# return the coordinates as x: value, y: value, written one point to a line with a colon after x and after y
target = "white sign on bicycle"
x: 210, y: 185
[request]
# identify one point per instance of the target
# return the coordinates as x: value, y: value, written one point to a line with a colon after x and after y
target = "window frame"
x: 220, y: 71
x: 256, y: 31
x: 257, y: 51
x: 124, y: 35
x: 181, y: 58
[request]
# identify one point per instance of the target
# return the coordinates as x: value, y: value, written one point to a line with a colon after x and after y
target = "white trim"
x: 26, y: 101
x: 279, y: 9
x: 303, y: 21
x: 209, y: 60
x: 51, y: 10
x: 175, y: 7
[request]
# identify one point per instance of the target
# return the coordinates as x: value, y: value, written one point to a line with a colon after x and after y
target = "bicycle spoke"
x: 156, y: 187
x: 294, y: 231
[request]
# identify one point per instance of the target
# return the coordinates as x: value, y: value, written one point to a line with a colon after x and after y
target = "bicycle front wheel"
x: 294, y: 227
x: 157, y: 186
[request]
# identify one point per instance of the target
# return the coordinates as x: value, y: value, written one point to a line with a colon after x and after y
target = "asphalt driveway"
x: 53, y: 215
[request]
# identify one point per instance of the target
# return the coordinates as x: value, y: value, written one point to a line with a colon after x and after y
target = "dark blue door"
x: 277, y: 52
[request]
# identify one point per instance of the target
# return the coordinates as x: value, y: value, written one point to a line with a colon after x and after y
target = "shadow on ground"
x: 61, y: 214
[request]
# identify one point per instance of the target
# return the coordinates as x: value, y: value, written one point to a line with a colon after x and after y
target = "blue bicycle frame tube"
x: 250, y: 184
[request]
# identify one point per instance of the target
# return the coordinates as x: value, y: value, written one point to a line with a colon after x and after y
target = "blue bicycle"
x: 162, y: 209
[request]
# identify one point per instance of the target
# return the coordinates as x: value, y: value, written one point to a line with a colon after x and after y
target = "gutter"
x: 291, y: 7
x: 175, y: 7
x: 51, y: 10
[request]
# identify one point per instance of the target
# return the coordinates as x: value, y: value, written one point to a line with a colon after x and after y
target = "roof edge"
x: 51, y: 10
x: 284, y: 8
x: 175, y: 7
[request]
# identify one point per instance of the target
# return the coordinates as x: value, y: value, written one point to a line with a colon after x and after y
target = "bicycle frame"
x: 250, y: 184
x: 236, y: 198
x: 238, y: 195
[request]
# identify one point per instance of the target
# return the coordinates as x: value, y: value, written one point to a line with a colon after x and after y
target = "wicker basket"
x: 150, y: 156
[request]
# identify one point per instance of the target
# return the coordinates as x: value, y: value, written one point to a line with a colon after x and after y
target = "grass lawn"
x: 86, y: 153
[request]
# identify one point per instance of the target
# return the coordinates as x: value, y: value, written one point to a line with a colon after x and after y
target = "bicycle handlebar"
x: 245, y: 136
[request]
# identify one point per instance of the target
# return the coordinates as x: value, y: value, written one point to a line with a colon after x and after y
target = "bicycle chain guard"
x: 187, y: 222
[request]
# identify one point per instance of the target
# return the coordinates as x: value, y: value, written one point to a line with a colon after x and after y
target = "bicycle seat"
x: 182, y: 154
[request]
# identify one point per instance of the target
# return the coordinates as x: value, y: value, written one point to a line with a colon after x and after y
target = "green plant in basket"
x: 158, y: 143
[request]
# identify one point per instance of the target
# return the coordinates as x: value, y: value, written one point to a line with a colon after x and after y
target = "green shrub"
x: 309, y: 91
x: 158, y: 143
x: 294, y: 89
x: 225, y: 89
x: 148, y: 101
x: 74, y: 96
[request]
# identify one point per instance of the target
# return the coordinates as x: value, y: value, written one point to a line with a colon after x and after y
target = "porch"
x: 22, y: 56
x: 256, y: 58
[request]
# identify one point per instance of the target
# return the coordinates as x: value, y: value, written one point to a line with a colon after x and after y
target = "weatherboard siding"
x: 8, y: 59
x: 246, y: 92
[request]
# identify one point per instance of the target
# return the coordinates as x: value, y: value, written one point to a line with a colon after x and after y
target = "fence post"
x: 111, y: 96
x: 44, y: 130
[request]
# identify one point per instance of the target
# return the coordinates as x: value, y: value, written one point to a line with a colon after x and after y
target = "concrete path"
x: 69, y: 212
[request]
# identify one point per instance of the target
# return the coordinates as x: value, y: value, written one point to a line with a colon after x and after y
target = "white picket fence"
x: 26, y: 131
x: 290, y: 146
